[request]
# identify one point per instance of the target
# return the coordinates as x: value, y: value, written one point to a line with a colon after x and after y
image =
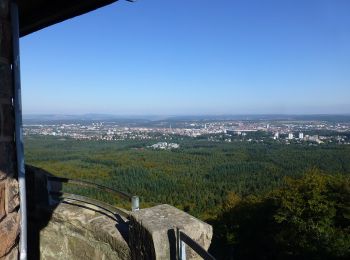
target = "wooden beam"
x: 38, y: 14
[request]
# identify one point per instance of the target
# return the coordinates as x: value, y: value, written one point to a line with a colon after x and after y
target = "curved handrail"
x: 102, y: 205
x: 90, y: 184
x: 133, y: 199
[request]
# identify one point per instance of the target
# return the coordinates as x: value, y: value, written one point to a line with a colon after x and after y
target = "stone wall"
x: 152, y: 233
x: 75, y: 228
x: 80, y: 230
x: 9, y: 198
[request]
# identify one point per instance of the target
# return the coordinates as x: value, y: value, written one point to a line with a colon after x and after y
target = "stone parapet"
x: 152, y: 232
x: 78, y: 230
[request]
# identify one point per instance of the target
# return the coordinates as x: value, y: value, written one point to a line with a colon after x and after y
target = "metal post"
x: 135, y: 203
x: 180, y: 246
x: 182, y: 250
x: 19, y: 129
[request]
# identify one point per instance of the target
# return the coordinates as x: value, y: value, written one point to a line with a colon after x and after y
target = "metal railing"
x: 182, y: 240
x: 134, y: 200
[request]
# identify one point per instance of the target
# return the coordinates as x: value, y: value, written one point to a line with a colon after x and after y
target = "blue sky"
x: 192, y: 57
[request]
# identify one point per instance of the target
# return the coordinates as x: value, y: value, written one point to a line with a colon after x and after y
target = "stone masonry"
x: 152, y: 233
x: 78, y: 230
x: 9, y: 197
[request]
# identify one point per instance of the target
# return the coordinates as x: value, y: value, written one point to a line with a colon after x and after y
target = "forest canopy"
x: 265, y: 201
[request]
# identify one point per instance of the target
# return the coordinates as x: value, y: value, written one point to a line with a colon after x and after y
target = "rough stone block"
x: 9, y: 230
x: 152, y: 232
x: 13, y: 255
x: 13, y: 195
x: 84, y: 231
x: 2, y: 200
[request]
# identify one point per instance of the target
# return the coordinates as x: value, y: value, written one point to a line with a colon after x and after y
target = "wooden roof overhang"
x: 38, y: 14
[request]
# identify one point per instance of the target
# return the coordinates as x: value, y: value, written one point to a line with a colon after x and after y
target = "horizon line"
x: 218, y: 114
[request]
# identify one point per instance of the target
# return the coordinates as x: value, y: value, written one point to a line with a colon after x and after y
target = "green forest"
x: 264, y: 200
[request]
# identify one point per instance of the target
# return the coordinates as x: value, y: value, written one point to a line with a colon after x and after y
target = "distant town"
x: 166, y: 131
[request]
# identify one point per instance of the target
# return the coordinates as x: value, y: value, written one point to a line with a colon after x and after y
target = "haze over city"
x: 192, y: 57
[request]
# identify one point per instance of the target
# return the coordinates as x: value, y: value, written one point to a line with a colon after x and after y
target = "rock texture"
x: 83, y: 231
x: 152, y: 234
x: 82, y: 228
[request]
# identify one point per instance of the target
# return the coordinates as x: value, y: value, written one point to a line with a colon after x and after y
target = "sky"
x: 192, y: 57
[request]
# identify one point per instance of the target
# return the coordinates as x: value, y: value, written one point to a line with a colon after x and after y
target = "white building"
x: 301, y: 135
x: 173, y: 145
x: 276, y: 135
x: 165, y: 145
x: 290, y: 136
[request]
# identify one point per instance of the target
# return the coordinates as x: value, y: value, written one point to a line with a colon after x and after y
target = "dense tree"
x: 255, y: 195
x: 307, y: 218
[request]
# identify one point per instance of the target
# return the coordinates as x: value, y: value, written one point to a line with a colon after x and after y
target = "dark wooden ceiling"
x: 37, y: 14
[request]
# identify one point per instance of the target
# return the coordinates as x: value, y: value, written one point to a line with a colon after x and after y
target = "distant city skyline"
x: 196, y: 57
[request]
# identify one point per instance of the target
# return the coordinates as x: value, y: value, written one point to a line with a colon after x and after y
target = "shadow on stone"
x: 73, y: 227
x: 172, y: 243
x: 38, y: 208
